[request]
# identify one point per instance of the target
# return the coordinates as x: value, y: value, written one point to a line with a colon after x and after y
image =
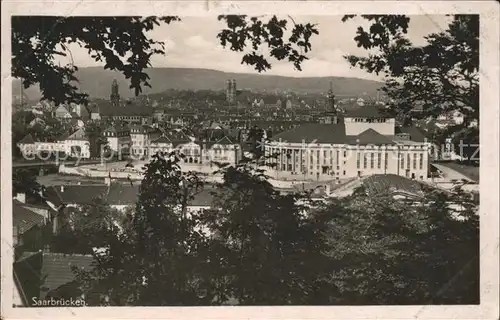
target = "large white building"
x: 363, y: 142
x: 75, y: 145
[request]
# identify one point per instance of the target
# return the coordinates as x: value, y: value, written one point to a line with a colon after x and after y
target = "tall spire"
x: 115, y: 95
x: 331, y: 97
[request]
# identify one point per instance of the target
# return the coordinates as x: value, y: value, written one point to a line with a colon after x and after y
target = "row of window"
x: 370, y: 120
x: 371, y: 157
x: 303, y: 169
x: 117, y: 134
x: 408, y: 160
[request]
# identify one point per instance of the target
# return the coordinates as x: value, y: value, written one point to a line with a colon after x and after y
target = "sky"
x: 192, y: 43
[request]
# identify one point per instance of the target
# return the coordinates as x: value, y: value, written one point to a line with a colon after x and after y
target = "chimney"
x: 62, y: 188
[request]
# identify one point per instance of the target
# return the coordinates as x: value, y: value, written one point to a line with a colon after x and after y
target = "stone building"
x: 361, y: 143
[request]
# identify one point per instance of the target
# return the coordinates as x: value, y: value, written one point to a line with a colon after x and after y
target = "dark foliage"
x: 439, y: 77
x: 120, y: 42
x: 244, y: 32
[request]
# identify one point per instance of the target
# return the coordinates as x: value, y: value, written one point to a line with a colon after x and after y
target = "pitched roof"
x: 320, y: 133
x: 416, y: 133
x: 62, y: 108
x: 24, y: 219
x: 27, y: 270
x: 381, y: 183
x: 28, y: 139
x: 224, y: 141
x: 370, y: 136
x: 141, y: 129
x: 162, y: 139
x: 117, y: 127
x: 56, y: 269
x: 79, y: 194
x: 122, y: 194
x: 178, y: 137
x: 77, y: 135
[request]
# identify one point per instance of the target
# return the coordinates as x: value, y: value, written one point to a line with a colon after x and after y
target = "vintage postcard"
x: 250, y: 160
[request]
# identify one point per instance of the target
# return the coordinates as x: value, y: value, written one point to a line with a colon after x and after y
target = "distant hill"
x: 97, y: 82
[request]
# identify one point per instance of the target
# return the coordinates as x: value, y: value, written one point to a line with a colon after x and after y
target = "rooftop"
x: 24, y: 219
x: 125, y: 108
x: 28, y: 139
x: 49, y: 270
x: 56, y: 269
x: 335, y: 134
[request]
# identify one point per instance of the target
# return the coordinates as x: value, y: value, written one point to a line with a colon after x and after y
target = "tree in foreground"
x: 253, y: 247
x: 388, y: 252
x: 256, y: 246
x: 440, y: 77
x: 266, y: 249
x: 158, y: 257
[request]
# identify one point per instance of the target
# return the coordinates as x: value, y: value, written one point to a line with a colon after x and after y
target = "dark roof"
x: 471, y: 172
x: 178, y: 137
x: 24, y: 219
x: 162, y: 139
x: 83, y: 194
x: 142, y: 129
x: 370, y: 136
x: 117, y: 127
x: 381, y: 183
x: 366, y: 112
x: 320, y: 133
x: 224, y: 141
x: 28, y: 139
x: 416, y: 133
x: 122, y: 194
x: 106, y: 108
x: 56, y: 269
x: 27, y: 272
x: 36, y: 273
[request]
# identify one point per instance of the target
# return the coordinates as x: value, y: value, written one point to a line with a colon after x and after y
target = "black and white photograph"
x: 248, y: 159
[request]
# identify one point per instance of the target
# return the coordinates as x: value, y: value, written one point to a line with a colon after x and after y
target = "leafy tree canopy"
x: 439, y: 77
x: 255, y: 246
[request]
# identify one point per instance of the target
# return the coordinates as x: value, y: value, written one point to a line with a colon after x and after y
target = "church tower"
x: 115, y: 96
x: 331, y: 114
x: 231, y: 91
x: 331, y: 99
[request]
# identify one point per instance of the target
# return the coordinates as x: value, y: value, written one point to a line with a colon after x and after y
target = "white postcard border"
x: 489, y: 169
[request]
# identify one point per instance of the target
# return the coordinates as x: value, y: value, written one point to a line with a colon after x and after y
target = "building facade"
x: 77, y: 145
x: 361, y: 144
x: 202, y: 153
x: 140, y: 139
x: 118, y: 137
